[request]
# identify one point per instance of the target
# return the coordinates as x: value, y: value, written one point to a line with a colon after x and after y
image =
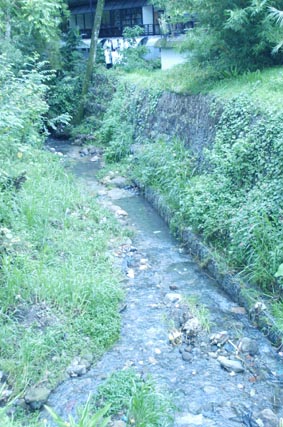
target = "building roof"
x: 85, y: 6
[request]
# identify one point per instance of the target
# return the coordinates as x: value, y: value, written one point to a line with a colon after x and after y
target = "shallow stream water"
x: 157, y: 271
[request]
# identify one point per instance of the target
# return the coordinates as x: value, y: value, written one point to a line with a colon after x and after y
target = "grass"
x: 264, y: 87
x: 59, y: 290
x: 199, y: 311
x: 136, y: 400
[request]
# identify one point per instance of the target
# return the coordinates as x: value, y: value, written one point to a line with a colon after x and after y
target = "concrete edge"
x: 230, y: 283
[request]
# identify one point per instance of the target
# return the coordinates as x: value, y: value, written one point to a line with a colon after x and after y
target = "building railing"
x: 149, y: 30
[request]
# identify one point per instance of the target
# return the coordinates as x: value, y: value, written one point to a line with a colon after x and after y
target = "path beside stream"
x: 194, y: 358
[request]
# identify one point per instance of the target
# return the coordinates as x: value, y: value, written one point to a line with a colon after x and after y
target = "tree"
x: 231, y: 34
x: 31, y: 25
x: 91, y: 59
x: 277, y: 16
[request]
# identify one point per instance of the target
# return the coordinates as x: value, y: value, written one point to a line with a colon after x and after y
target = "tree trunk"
x: 91, y: 60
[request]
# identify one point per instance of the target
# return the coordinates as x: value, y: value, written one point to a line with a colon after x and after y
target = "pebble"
x: 219, y: 338
x: 78, y: 367
x: 187, y: 356
x: 192, y: 327
x: 173, y: 297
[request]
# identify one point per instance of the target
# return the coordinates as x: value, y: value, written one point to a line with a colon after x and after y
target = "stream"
x: 221, y: 370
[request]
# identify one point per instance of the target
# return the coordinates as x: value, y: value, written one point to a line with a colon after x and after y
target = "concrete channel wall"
x: 193, y: 119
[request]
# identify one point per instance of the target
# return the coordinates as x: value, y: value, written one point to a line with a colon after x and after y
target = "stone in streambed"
x: 78, y: 367
x: 268, y: 418
x: 248, y: 346
x: 231, y: 365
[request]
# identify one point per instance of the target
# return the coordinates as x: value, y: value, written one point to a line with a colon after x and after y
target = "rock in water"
x: 269, y: 418
x: 192, y: 327
x: 231, y: 365
x: 247, y: 345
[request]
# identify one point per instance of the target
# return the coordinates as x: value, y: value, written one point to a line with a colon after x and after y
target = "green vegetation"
x: 235, y: 205
x: 138, y: 399
x: 59, y: 290
x: 86, y: 418
x: 59, y: 293
x: 229, y: 36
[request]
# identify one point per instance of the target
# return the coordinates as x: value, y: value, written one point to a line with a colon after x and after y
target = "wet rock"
x: 173, y: 287
x: 231, y: 365
x: 228, y: 347
x: 213, y: 355
x: 36, y: 397
x: 238, y: 310
x: 83, y: 152
x: 192, y: 327
x: 188, y: 357
x: 248, y: 345
x: 268, y: 418
x: 94, y: 150
x: 94, y: 159
x: 119, y: 181
x: 188, y: 419
x: 219, y: 338
x: 173, y: 297
x: 175, y: 337
x: 78, y: 367
x: 195, y: 407
x: 118, y: 193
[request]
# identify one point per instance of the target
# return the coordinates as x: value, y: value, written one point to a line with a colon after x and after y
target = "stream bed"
x: 221, y: 370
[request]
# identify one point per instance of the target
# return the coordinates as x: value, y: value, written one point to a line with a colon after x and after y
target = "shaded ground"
x: 173, y: 328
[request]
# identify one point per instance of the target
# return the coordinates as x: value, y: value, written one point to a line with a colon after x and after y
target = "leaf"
x: 279, y: 272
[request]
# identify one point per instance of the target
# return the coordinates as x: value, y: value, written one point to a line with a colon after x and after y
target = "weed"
x: 138, y: 399
x: 117, y: 391
x: 198, y: 311
x: 85, y: 417
x: 149, y: 408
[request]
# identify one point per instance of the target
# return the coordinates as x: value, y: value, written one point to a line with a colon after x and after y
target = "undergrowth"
x: 236, y: 204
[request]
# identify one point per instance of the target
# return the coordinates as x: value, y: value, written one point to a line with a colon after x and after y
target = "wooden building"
x: 118, y: 14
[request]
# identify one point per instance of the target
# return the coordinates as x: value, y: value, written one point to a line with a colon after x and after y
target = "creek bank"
x: 167, y: 336
x: 235, y: 287
x: 194, y: 119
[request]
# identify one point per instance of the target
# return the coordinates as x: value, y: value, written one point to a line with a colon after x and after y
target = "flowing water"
x: 157, y: 272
